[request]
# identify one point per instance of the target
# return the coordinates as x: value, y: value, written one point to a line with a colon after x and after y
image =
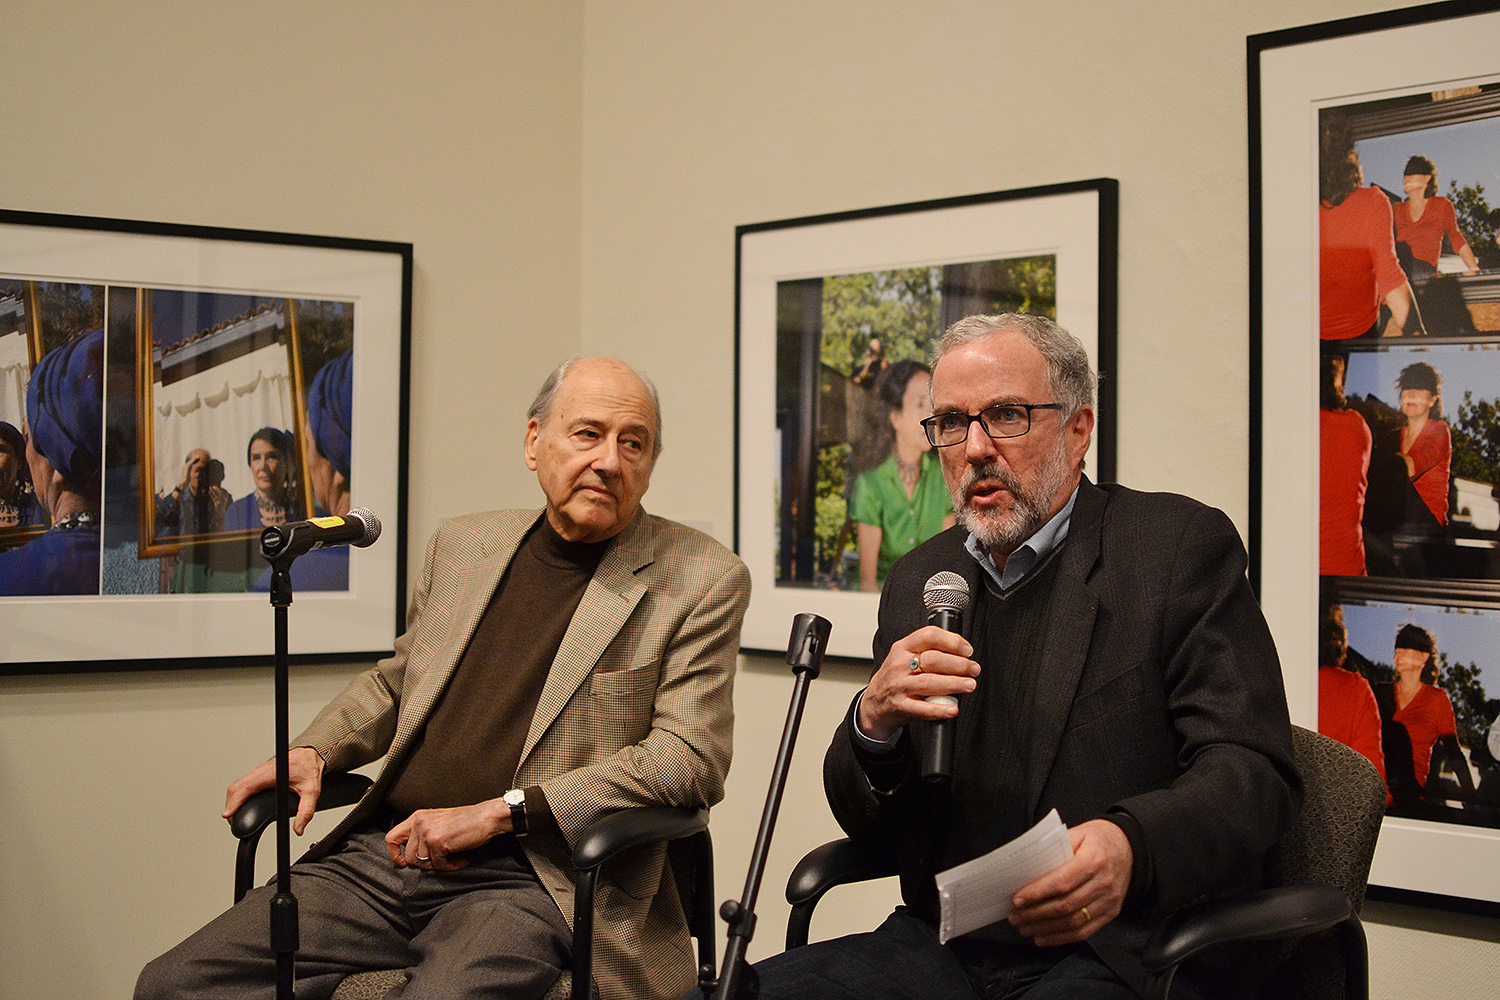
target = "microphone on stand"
x: 946, y: 596
x: 281, y: 543
x: 359, y: 527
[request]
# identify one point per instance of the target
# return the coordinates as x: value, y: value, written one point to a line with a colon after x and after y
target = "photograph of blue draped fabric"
x: 51, y: 437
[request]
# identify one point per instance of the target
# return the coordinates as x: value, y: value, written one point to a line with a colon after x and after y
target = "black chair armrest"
x: 627, y: 828
x: 1286, y: 911
x: 259, y: 810
x: 837, y: 862
x: 608, y: 836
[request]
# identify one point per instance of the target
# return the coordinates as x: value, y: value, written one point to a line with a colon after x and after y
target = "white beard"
x: 1003, y: 531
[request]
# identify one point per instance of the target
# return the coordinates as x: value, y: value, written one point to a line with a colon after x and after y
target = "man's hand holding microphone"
x: 923, y: 675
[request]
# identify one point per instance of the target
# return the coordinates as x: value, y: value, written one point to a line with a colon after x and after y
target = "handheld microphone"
x: 946, y: 596
x: 284, y: 541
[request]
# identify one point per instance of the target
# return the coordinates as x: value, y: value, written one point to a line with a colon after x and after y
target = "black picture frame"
x: 202, y: 335
x: 949, y: 257
x: 1396, y: 83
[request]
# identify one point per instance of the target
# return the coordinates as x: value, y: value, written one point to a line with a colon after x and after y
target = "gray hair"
x: 1069, y: 374
x: 541, y: 407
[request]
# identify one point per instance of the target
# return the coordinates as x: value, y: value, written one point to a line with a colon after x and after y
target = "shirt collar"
x: 1030, y: 552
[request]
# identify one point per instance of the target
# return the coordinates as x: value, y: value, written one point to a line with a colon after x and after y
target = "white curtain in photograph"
x: 218, y: 409
x: 15, y: 372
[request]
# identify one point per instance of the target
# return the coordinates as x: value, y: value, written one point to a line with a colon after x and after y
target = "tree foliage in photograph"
x: 325, y: 329
x: 1025, y: 285
x: 832, y: 509
x: 899, y: 307
x: 1466, y: 691
x: 1476, y: 440
x: 1473, y: 213
x: 68, y: 310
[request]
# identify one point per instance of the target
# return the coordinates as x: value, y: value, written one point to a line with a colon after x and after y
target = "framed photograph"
x: 166, y: 393
x: 1375, y: 415
x: 836, y: 316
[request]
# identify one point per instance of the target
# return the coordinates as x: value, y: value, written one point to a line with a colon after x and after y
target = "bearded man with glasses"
x: 1114, y: 666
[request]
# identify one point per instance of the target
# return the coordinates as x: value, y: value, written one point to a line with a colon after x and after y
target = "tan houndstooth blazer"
x: 636, y: 710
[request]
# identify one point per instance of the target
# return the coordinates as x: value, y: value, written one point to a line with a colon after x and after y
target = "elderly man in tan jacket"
x: 557, y: 665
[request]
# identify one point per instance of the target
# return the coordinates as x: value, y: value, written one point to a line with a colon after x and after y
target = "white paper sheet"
x: 977, y: 893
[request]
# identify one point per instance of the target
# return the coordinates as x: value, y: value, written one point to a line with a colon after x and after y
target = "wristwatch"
x: 516, y: 799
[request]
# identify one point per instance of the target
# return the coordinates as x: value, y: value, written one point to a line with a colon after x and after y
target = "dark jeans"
x: 902, y: 960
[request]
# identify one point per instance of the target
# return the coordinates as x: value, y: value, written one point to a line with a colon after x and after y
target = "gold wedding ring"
x: 1085, y: 911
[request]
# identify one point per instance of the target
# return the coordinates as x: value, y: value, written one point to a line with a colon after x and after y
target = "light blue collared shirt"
x: 1030, y: 552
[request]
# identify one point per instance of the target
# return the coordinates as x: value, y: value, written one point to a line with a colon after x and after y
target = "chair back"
x: 1333, y: 839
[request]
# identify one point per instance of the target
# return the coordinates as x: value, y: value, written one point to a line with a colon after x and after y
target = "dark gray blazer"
x: 1160, y: 696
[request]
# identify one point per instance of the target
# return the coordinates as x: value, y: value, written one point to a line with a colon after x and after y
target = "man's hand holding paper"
x: 1056, y: 884
x: 1072, y: 902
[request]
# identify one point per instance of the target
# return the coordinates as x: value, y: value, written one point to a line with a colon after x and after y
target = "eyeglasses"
x: 1003, y: 420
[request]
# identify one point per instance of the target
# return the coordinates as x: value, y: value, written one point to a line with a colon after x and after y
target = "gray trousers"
x: 487, y: 930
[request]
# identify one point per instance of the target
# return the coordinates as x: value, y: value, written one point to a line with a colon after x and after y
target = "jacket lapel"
x: 1065, y: 645
x: 607, y: 604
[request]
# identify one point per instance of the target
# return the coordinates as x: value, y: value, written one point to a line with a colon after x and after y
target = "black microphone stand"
x: 277, y: 546
x: 284, y: 936
x: 738, y: 981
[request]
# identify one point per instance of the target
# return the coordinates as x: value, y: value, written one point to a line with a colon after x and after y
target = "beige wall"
x: 578, y: 169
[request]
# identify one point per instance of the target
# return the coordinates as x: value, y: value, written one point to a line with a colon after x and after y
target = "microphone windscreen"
x: 946, y: 591
x: 371, y: 524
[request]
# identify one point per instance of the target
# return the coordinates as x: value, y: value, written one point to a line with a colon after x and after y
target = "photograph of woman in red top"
x: 1421, y: 707
x: 1424, y: 218
x: 1358, y: 270
x: 1347, y: 710
x: 1344, y: 447
x: 1426, y: 445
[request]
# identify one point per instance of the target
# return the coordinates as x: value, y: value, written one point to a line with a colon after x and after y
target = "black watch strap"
x: 516, y: 799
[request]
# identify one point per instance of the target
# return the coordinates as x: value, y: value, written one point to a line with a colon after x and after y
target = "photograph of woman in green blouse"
x: 903, y: 500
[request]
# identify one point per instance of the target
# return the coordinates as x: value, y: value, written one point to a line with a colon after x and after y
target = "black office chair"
x: 692, y: 861
x: 1318, y: 874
